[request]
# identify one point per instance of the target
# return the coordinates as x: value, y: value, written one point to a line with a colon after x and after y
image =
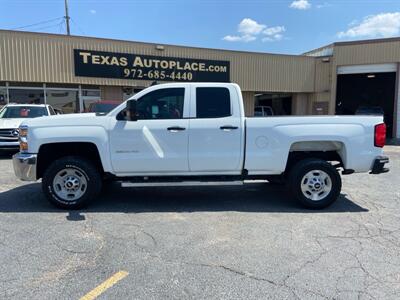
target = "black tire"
x: 301, y: 169
x: 85, y: 168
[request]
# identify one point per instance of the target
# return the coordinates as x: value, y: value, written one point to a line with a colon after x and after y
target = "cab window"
x: 161, y: 104
x: 213, y: 102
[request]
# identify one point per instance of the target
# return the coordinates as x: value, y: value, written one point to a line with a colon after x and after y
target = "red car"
x: 103, y: 106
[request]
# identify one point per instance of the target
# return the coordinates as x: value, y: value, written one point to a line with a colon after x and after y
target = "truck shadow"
x: 258, y: 197
x: 6, y: 154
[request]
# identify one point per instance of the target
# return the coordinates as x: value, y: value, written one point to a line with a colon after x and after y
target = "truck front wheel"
x: 315, y: 183
x: 71, y: 182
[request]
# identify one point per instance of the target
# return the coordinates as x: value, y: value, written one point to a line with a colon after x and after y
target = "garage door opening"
x: 368, y: 93
x: 275, y: 104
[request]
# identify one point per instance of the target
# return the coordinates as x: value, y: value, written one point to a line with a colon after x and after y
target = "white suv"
x: 11, y: 117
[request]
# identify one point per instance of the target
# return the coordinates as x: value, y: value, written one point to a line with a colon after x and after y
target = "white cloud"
x: 274, y: 30
x: 248, y: 31
x: 92, y: 11
x: 239, y: 38
x: 273, y: 38
x: 250, y: 27
x: 300, y: 4
x: 380, y: 25
x: 274, y: 34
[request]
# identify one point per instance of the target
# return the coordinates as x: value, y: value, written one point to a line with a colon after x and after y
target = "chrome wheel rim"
x: 69, y: 184
x: 316, y: 185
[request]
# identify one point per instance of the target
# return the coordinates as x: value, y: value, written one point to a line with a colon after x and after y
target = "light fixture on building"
x: 160, y: 47
x: 326, y: 59
x: 371, y: 76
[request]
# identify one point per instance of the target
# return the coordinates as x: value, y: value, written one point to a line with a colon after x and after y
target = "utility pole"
x: 67, y: 17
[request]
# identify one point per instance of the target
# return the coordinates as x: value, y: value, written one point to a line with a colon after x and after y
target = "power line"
x: 77, y: 26
x: 61, y: 27
x: 49, y: 26
x: 35, y: 24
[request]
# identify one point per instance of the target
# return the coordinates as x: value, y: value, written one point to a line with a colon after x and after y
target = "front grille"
x: 8, y: 135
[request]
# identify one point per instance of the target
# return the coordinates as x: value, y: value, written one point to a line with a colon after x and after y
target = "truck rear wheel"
x: 315, y: 183
x: 71, y: 182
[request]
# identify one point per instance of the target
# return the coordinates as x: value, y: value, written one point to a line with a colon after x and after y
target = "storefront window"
x: 26, y: 96
x: 89, y: 99
x: 130, y: 91
x: 3, y: 96
x: 63, y: 101
x: 92, y: 102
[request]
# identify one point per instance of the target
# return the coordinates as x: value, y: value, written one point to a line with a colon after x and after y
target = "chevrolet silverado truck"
x: 195, y: 134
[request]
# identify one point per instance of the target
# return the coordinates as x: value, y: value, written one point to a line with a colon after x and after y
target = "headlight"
x: 23, y: 131
x: 23, y: 138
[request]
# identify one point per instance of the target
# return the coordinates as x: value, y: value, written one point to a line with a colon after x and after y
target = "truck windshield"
x: 22, y: 112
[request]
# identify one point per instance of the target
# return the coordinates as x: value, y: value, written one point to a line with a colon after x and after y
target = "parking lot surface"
x: 221, y: 242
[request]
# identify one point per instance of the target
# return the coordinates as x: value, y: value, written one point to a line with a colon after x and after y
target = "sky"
x: 272, y: 26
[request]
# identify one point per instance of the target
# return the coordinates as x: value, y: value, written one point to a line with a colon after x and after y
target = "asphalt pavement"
x: 220, y: 242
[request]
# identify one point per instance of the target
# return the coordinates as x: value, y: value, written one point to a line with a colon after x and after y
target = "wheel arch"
x: 52, y: 151
x: 332, y: 151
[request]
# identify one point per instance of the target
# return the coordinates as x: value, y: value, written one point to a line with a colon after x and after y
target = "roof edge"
x: 147, y: 43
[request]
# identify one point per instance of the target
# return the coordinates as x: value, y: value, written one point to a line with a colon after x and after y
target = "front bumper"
x: 25, y: 166
x: 9, y: 145
x: 378, y: 166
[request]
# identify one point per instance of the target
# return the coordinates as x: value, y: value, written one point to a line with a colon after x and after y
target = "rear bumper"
x: 25, y: 166
x: 378, y: 166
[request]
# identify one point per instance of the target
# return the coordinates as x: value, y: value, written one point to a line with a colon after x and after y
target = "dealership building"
x: 71, y: 72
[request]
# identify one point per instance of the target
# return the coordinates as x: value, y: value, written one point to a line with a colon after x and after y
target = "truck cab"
x: 180, y: 129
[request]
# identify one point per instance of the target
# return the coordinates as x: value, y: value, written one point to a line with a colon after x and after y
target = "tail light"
x: 380, y: 135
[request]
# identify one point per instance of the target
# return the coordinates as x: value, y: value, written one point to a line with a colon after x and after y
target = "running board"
x: 180, y: 183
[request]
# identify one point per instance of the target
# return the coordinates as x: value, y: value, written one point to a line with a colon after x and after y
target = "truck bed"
x: 277, y: 136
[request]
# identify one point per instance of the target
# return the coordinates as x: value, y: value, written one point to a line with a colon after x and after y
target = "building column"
x: 249, y: 103
x: 111, y: 93
x: 332, y: 103
x: 300, y: 104
x: 396, y: 106
x: 7, y: 92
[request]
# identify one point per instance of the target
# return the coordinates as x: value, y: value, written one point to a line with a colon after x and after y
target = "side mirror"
x: 131, y: 114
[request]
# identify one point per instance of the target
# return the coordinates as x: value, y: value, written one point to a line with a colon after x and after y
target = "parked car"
x: 195, y: 133
x: 11, y: 116
x: 263, y: 111
x: 103, y: 106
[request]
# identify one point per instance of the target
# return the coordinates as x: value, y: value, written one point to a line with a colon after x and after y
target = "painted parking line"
x: 97, y: 291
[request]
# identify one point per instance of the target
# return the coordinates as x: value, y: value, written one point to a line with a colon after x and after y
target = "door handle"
x: 176, y: 128
x: 228, y: 127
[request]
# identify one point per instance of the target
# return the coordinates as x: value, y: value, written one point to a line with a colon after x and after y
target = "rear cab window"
x: 213, y: 102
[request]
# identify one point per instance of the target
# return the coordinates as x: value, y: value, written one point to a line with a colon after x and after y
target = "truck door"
x: 158, y: 141
x: 215, y: 130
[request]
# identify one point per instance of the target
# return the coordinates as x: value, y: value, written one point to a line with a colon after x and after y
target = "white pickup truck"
x: 192, y: 134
